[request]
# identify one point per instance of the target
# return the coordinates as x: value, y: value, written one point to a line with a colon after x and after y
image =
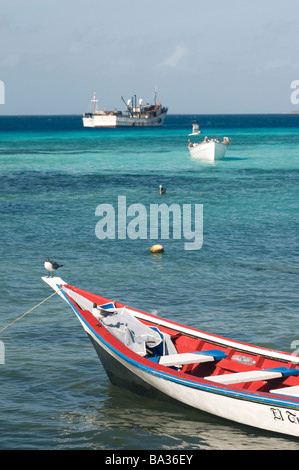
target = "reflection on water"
x: 157, y: 261
x: 128, y: 421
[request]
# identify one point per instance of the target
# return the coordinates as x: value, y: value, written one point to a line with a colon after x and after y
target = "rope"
x: 56, y: 292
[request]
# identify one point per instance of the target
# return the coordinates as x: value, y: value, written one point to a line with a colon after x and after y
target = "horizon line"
x: 170, y: 114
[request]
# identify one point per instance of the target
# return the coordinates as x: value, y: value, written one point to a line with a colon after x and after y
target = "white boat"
x: 240, y: 382
x: 207, y: 149
x: 136, y: 115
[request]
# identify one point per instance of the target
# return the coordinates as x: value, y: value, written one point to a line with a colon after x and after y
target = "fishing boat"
x: 137, y: 114
x: 247, y: 384
x: 209, y: 149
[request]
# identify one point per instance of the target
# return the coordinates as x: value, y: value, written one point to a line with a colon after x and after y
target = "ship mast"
x: 94, y: 101
x: 155, y: 95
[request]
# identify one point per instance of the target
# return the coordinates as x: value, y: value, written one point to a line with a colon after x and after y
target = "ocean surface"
x: 242, y: 283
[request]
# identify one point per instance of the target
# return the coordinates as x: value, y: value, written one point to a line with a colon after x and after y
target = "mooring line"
x: 26, y: 313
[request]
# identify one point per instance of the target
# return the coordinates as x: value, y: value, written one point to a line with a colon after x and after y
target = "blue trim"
x: 108, y: 305
x: 215, y: 353
x: 154, y: 358
x: 284, y: 371
x: 188, y: 383
x: 159, y: 350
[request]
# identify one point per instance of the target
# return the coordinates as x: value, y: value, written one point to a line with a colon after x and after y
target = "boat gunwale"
x: 196, y: 333
x: 202, y: 384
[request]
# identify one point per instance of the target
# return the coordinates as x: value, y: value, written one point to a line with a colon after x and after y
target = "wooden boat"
x: 207, y: 149
x: 247, y: 384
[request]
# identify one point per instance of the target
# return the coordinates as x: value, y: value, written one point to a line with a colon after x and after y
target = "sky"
x: 204, y: 57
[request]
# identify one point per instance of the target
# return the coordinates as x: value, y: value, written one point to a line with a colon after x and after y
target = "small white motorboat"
x: 207, y: 149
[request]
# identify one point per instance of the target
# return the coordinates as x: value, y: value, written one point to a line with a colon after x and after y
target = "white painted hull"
x: 210, y: 151
x: 123, y: 121
x: 263, y: 410
x: 204, y: 397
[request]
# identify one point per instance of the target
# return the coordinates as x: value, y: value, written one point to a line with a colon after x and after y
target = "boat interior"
x: 221, y: 364
x: 212, y: 359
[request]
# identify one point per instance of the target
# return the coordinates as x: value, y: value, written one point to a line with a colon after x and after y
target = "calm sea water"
x: 242, y: 283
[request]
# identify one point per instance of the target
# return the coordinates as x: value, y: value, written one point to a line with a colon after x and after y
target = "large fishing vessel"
x: 136, y: 114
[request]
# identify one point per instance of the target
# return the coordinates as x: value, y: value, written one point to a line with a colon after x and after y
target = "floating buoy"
x: 157, y: 249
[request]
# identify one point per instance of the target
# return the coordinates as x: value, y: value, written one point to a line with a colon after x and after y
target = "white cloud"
x: 178, y: 53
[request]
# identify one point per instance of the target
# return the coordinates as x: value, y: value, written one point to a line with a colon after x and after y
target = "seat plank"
x: 192, y: 358
x: 254, y: 375
x: 290, y: 391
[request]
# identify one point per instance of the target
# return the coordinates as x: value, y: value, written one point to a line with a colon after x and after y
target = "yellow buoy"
x: 157, y: 249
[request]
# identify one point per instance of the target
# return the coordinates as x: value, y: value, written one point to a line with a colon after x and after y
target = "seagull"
x: 51, y: 265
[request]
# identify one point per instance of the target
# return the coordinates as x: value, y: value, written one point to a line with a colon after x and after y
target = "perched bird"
x: 51, y: 265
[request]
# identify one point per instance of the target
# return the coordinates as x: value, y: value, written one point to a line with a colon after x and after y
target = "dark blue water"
x: 243, y: 282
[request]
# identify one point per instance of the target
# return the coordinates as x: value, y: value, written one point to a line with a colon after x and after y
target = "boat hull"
x: 254, y: 413
x: 209, y: 151
x: 242, y: 409
x: 267, y: 411
x: 123, y: 121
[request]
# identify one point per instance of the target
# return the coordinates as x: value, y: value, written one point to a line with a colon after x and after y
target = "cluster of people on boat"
x: 226, y: 141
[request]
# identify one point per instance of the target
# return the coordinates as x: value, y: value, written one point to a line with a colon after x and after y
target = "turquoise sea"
x: 242, y: 283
